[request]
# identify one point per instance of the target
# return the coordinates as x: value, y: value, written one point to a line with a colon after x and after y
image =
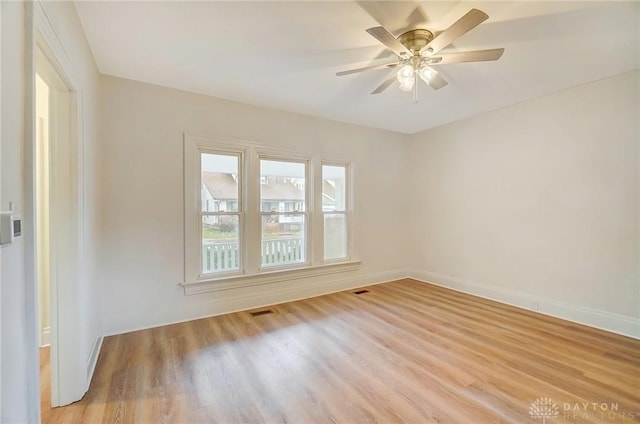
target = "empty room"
x: 320, y: 211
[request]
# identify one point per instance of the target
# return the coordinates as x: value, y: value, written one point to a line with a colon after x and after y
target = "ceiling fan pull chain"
x: 415, y: 88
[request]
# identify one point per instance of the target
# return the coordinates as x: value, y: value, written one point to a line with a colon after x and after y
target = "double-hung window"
x: 252, y: 213
x: 283, y: 215
x: 335, y: 211
x: 221, y: 212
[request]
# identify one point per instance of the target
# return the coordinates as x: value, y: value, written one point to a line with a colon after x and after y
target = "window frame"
x: 251, y: 272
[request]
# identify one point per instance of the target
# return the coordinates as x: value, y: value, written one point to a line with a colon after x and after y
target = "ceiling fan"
x: 418, y: 50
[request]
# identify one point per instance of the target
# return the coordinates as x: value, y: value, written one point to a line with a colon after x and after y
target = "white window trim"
x: 251, y: 272
x: 267, y: 277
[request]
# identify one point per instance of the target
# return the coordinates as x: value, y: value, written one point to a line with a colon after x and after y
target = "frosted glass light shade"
x: 407, y: 84
x: 405, y: 73
x: 427, y: 74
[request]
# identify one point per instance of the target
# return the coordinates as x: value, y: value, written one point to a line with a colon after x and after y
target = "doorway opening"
x: 42, y: 250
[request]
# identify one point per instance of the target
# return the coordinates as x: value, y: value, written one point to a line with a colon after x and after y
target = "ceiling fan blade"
x: 389, y: 41
x: 385, y: 84
x: 472, y: 19
x: 470, y: 56
x: 367, y: 68
x: 437, y: 82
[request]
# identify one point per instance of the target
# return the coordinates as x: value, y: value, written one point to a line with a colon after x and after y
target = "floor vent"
x: 260, y: 313
x: 361, y: 292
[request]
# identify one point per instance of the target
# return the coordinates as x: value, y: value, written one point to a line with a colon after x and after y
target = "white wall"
x: 19, y: 384
x: 1, y: 143
x: 16, y: 371
x: 142, y: 258
x: 537, y: 202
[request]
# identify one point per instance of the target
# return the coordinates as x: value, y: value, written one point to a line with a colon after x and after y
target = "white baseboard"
x: 302, y: 288
x: 93, y: 359
x: 620, y: 324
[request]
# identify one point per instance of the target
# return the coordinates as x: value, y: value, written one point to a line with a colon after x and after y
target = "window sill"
x: 238, y: 281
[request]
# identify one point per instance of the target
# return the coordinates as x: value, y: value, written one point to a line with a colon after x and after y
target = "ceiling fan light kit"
x: 418, y: 50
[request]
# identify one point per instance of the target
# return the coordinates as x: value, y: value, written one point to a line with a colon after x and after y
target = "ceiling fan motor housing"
x: 415, y: 39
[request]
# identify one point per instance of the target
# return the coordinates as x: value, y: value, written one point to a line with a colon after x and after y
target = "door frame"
x: 45, y: 52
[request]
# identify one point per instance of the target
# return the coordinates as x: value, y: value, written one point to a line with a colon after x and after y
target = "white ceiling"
x: 284, y: 54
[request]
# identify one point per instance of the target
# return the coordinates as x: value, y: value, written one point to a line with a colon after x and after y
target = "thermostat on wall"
x: 10, y: 227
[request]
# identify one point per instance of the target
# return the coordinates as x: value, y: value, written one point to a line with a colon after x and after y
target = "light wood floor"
x: 403, y: 352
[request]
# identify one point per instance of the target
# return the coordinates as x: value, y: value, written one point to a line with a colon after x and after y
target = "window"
x: 334, y: 210
x: 221, y: 228
x: 252, y: 213
x: 283, y: 228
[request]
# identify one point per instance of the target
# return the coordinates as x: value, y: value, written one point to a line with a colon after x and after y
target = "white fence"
x: 220, y: 256
x: 225, y: 256
x: 282, y: 251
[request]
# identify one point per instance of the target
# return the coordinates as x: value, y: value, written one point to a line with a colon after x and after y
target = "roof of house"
x: 280, y: 191
x: 329, y: 192
x: 223, y: 186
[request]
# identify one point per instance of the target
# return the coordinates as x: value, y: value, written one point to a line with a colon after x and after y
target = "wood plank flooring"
x: 404, y: 351
x: 45, y: 379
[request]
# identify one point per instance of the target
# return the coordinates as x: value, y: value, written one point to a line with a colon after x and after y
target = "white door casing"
x: 69, y: 379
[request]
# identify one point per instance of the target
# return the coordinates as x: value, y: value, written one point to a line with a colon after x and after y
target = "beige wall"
x: 142, y: 223
x: 538, y: 199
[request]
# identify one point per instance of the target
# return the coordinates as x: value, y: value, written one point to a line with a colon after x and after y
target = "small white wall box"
x: 10, y: 227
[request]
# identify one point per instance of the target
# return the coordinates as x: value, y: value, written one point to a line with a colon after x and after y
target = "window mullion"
x: 252, y: 211
x: 316, y: 221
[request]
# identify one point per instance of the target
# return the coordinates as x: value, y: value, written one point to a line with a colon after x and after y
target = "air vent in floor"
x: 260, y: 313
